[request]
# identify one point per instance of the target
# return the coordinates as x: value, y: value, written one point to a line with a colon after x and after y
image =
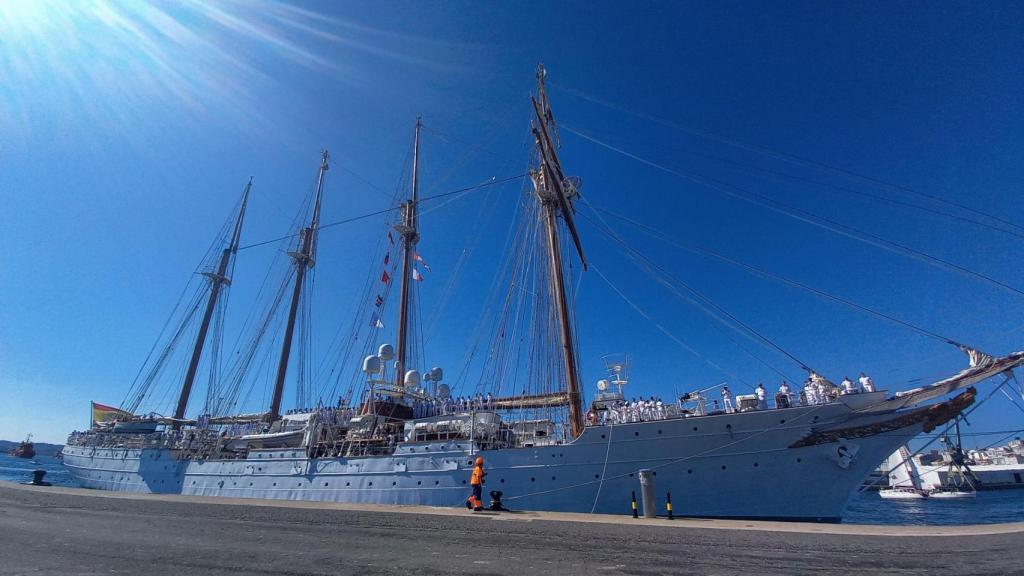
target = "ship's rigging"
x: 532, y: 354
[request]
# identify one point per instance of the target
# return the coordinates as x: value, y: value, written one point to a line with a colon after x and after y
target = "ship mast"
x: 218, y: 280
x: 550, y: 185
x: 410, y: 236
x: 304, y: 259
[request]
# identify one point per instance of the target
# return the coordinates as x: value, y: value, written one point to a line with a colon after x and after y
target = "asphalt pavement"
x: 74, y: 531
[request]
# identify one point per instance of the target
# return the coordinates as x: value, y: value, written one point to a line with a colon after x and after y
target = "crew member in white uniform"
x: 726, y: 400
x: 848, y: 387
x: 760, y: 392
x: 811, y: 392
x: 783, y: 396
x: 865, y: 383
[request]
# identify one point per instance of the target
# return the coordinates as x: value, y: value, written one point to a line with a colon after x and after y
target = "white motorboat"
x: 903, y: 493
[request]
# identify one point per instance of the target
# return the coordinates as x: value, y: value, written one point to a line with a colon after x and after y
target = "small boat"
x: 946, y: 493
x: 903, y: 493
x: 25, y: 450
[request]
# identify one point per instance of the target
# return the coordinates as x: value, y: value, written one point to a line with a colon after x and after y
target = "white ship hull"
x: 727, y: 466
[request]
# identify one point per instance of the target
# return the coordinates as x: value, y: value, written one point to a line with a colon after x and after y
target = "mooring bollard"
x: 635, y: 515
x: 647, y: 493
x: 668, y: 504
x: 37, y: 478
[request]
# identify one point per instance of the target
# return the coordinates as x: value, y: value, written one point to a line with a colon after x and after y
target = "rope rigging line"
x: 650, y: 265
x: 762, y: 272
x: 491, y: 182
x: 666, y: 332
x: 805, y: 216
x: 793, y: 159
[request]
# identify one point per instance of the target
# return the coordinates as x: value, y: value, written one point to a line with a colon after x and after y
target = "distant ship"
x: 400, y: 437
x: 26, y: 449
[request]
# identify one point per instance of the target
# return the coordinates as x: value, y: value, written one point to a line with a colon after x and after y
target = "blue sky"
x: 128, y: 130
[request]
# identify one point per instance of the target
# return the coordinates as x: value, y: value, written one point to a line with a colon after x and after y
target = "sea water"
x: 991, y: 507
x: 20, y: 470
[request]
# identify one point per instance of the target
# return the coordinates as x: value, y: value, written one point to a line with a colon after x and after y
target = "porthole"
x: 602, y: 435
x: 300, y: 484
x: 598, y: 476
x: 728, y: 425
x: 193, y: 482
x: 394, y: 483
x: 533, y: 479
x: 659, y: 431
x: 630, y: 474
x: 348, y: 483
x: 436, y: 482
x: 250, y: 483
x: 552, y: 477
x: 783, y: 421
x: 815, y: 418
x: 636, y: 433
x: 723, y: 466
x: 463, y: 481
x: 654, y: 473
x: 690, y: 471
x: 799, y: 459
x: 275, y: 483
x: 418, y: 482
x: 325, y: 484
x: 371, y: 483
x: 502, y: 481
x: 694, y: 428
x: 755, y: 464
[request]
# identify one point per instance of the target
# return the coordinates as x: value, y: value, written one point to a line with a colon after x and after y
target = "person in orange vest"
x: 477, y: 482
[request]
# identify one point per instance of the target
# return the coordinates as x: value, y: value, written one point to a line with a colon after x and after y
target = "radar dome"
x: 602, y: 385
x: 386, y: 352
x: 372, y: 365
x: 412, y: 379
x: 443, y: 391
x: 436, y: 374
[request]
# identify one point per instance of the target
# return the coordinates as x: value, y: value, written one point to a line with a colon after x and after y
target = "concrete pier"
x: 72, y: 531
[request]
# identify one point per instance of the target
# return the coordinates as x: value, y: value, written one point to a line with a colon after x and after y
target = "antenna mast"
x: 550, y: 186
x: 304, y: 259
x: 218, y: 280
x: 410, y: 236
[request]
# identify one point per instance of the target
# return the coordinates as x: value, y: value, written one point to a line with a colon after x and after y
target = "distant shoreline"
x: 42, y: 448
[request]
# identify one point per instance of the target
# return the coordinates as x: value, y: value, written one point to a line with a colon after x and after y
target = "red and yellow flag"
x: 102, y: 413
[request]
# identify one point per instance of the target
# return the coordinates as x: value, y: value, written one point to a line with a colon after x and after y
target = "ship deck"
x: 65, y: 530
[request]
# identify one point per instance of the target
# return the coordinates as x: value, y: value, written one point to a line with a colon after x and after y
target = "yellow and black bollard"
x: 668, y: 504
x: 635, y: 515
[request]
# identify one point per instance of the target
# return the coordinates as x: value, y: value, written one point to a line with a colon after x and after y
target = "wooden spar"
x: 410, y: 236
x: 548, y: 184
x: 218, y: 280
x: 304, y: 259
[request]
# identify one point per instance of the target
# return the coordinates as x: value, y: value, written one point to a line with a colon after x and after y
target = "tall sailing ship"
x: 400, y: 437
